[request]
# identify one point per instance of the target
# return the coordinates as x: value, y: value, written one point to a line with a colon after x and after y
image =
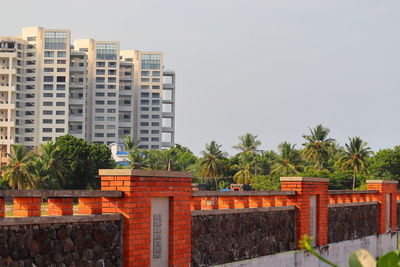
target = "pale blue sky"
x: 271, y: 68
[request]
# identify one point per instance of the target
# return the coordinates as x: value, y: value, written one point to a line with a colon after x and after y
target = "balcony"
x: 7, y: 88
x: 8, y: 71
x: 6, y: 123
x: 77, y: 69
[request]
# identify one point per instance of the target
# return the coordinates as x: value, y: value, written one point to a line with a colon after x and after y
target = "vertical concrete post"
x: 387, y: 203
x: 140, y: 187
x: 311, y: 196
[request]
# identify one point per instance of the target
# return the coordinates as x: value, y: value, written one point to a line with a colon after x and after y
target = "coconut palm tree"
x: 248, y: 143
x: 355, y: 157
x: 53, y: 162
x: 288, y: 161
x: 211, y: 162
x: 316, y: 147
x: 138, y: 159
x: 17, y: 171
x: 129, y: 142
x: 39, y: 174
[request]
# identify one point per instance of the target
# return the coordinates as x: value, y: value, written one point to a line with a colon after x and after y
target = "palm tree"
x: 248, y: 143
x: 355, y: 157
x: 211, y: 163
x: 288, y: 161
x: 16, y: 172
x: 53, y: 163
x: 39, y: 175
x: 129, y: 142
x: 138, y: 159
x: 246, y: 168
x: 316, y: 147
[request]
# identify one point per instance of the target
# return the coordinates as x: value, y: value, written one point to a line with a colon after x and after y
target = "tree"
x: 138, y: 159
x: 17, y: 171
x: 211, y: 162
x: 53, y: 164
x: 355, y: 157
x: 386, y: 164
x: 39, y: 175
x: 248, y: 143
x: 316, y: 147
x: 288, y: 161
x: 129, y: 142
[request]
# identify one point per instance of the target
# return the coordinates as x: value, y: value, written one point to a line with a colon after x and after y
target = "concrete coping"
x: 60, y: 193
x: 304, y: 179
x: 241, y: 193
x: 144, y: 173
x: 236, y: 211
x: 9, y: 221
x: 351, y: 192
x: 382, y: 182
x: 342, y: 205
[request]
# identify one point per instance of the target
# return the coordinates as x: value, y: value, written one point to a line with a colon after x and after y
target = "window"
x: 99, y: 118
x: 55, y: 40
x: 155, y: 124
x: 60, y: 94
x: 155, y: 95
x: 31, y: 38
x: 29, y: 113
x: 100, y: 94
x: 47, y: 95
x: 98, y: 135
x: 144, y: 123
x: 100, y: 64
x: 29, y: 130
x: 167, y: 122
x: 155, y: 102
x: 98, y: 102
x: 47, y: 121
x: 144, y: 116
x: 48, y: 69
x: 145, y: 95
x: 156, y: 73
x: 112, y: 64
x: 145, y: 73
x: 61, y: 79
x: 60, y: 86
x: 110, y: 127
x: 60, y: 121
x: 47, y: 130
x: 155, y: 131
x: 99, y: 110
x: 100, y: 79
x: 61, y: 61
x: 29, y: 104
x: 111, y: 86
x: 110, y: 134
x: 150, y: 61
x: 59, y: 130
x: 48, y: 61
x: 111, y: 110
x: 48, y: 104
x: 60, y: 104
x: 48, y: 78
x: 61, y: 69
x: 144, y: 102
x: 111, y: 94
x: 154, y: 147
x: 99, y: 127
x: 144, y: 139
x: 112, y: 72
x: 100, y: 72
x: 61, y: 54
x: 155, y: 80
x: 166, y: 137
x: 167, y: 95
x: 29, y: 122
x: 48, y: 53
x: 28, y: 139
x: 145, y: 80
x: 111, y: 102
x: 60, y: 112
x: 110, y: 118
x: 155, y: 116
x: 155, y: 139
x: 144, y: 131
x: 167, y: 107
x: 106, y: 51
x: 112, y: 79
x: 47, y: 112
x: 144, y: 87
x: 100, y: 86
x: 155, y: 87
x: 144, y: 108
x: 46, y: 139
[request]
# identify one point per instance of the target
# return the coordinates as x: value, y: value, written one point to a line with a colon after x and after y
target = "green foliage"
x: 386, y: 164
x: 265, y: 183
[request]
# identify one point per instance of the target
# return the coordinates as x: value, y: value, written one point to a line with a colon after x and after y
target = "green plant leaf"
x: 390, y: 259
x: 361, y: 258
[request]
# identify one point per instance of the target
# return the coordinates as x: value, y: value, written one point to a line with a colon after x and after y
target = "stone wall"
x: 222, y: 236
x: 92, y: 243
x: 352, y: 220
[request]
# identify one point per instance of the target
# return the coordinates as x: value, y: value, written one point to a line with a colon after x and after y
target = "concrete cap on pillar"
x: 304, y: 179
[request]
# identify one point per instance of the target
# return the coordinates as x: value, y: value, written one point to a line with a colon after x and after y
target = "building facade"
x: 90, y: 89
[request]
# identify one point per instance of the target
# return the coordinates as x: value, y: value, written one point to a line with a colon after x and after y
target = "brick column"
x: 60, y: 206
x: 385, y: 189
x: 89, y: 205
x: 139, y: 188
x: 2, y: 207
x: 305, y: 188
x: 27, y: 206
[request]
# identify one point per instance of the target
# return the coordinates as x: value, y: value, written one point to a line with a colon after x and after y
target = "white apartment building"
x: 91, y: 89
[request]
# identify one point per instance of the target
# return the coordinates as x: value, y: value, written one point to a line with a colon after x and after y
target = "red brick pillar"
x: 309, y: 190
x: 89, y: 205
x: 139, y: 188
x: 27, y: 206
x: 60, y: 206
x: 2, y: 207
x: 387, y: 193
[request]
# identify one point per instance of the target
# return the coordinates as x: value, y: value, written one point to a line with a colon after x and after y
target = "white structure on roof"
x: 118, y: 152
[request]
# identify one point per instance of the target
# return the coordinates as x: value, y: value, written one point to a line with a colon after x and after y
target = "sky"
x: 269, y: 67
